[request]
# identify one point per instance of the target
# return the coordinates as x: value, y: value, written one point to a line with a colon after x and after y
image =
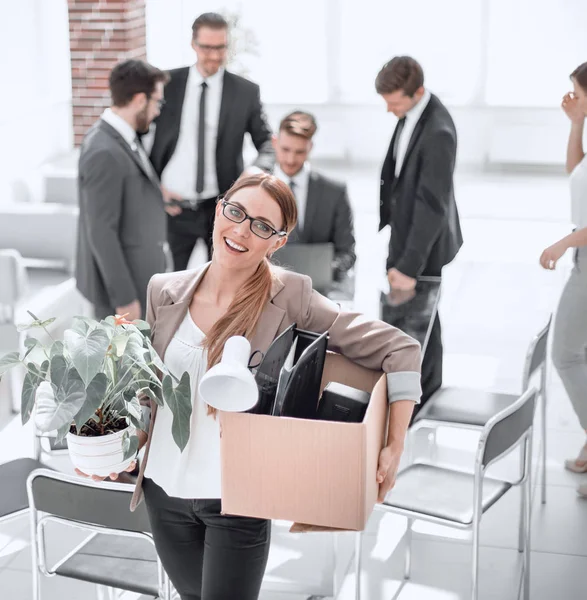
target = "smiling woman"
x: 192, y: 315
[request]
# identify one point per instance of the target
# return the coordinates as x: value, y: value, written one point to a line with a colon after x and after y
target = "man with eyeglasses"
x: 197, y: 149
x: 122, y: 225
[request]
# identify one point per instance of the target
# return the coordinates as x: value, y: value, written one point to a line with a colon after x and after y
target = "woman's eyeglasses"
x: 237, y: 215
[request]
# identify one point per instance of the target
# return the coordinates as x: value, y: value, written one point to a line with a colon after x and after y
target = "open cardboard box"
x: 318, y: 473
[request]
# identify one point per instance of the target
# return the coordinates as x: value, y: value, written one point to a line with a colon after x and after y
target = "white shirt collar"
x: 125, y: 130
x: 213, y: 80
x: 416, y: 111
x: 300, y: 178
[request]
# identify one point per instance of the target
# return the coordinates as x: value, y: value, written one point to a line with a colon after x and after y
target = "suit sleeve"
x: 431, y: 202
x: 370, y: 343
x: 102, y: 197
x: 344, y: 237
x: 260, y: 132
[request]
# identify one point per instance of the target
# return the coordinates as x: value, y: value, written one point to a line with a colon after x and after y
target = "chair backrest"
x: 73, y: 498
x: 14, y: 283
x: 536, y: 355
x: 504, y: 430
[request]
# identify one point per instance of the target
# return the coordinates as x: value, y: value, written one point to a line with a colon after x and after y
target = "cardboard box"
x: 321, y: 473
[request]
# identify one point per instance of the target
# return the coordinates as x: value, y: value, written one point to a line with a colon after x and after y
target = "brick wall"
x: 101, y: 33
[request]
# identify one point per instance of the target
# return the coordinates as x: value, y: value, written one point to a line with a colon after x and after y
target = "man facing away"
x: 324, y: 210
x: 122, y: 229
x: 197, y: 149
x: 417, y: 192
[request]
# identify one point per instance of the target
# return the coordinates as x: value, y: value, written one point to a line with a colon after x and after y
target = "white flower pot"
x: 99, y: 455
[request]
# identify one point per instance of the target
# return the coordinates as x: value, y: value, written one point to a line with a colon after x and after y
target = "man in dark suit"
x: 197, y: 149
x: 122, y: 228
x: 417, y: 192
x: 324, y: 210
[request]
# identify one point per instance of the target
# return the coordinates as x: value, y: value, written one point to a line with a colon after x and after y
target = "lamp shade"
x: 229, y: 385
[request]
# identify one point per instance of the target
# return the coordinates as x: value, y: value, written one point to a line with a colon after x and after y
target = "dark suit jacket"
x: 122, y: 225
x: 240, y: 112
x: 419, y: 204
x: 328, y: 219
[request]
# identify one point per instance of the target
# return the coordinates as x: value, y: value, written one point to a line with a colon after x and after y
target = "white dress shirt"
x: 195, y: 472
x: 125, y: 130
x: 179, y: 175
x: 412, y: 117
x: 130, y: 137
x: 301, y: 181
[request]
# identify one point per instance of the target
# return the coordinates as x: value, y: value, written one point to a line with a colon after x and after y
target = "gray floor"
x: 495, y: 297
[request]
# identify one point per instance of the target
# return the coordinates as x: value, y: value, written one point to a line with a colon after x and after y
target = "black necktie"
x: 201, y: 140
x: 292, y: 186
x: 398, y: 133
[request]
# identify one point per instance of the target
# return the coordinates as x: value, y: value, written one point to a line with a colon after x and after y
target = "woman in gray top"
x: 569, y: 346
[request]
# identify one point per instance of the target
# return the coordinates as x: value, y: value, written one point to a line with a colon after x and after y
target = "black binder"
x: 290, y: 374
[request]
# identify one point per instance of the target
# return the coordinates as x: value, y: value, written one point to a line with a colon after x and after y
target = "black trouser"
x: 187, y: 228
x: 431, y: 365
x: 207, y: 555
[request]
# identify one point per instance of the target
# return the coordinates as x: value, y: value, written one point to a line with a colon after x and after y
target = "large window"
x: 533, y: 46
x: 283, y: 48
x: 444, y: 36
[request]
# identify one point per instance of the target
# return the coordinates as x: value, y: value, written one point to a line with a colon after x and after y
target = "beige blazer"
x: 370, y: 343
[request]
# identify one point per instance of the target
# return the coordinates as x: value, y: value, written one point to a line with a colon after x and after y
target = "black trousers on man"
x: 187, y: 228
x: 431, y: 365
x: 208, y: 556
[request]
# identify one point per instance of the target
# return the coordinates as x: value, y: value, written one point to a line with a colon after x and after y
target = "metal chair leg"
x: 408, y: 556
x: 527, y: 491
x: 523, y: 500
x: 358, y: 557
x: 543, y: 491
x: 476, y: 527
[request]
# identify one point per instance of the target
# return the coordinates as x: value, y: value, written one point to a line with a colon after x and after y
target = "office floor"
x: 495, y: 298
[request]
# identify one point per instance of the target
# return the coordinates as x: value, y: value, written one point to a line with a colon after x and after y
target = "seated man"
x: 324, y: 211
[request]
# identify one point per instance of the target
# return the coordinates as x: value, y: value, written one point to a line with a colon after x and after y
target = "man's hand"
x: 387, y: 469
x: 132, y: 311
x: 552, y: 254
x: 399, y: 281
x: 171, y: 209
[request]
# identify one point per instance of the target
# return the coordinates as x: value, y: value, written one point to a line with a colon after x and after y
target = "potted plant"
x: 87, y: 386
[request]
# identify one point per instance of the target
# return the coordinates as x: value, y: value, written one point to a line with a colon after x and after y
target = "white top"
x: 195, y: 472
x: 412, y: 118
x: 179, y: 175
x: 301, y: 181
x: 578, y: 183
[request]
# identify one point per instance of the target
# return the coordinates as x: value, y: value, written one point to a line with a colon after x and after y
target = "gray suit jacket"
x: 371, y: 344
x: 328, y: 219
x: 122, y: 224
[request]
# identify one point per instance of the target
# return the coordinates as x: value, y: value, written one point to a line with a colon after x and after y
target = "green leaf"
x: 143, y: 327
x: 30, y: 344
x: 36, y: 324
x: 57, y: 348
x: 119, y: 344
x: 179, y: 400
x: 154, y: 394
x: 130, y: 445
x: 95, y: 394
x: 59, y: 408
x: 87, y: 352
x: 59, y: 369
x: 32, y: 380
x: 62, y: 432
x: 8, y: 361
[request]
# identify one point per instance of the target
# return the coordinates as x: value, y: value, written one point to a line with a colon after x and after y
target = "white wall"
x: 35, y: 103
